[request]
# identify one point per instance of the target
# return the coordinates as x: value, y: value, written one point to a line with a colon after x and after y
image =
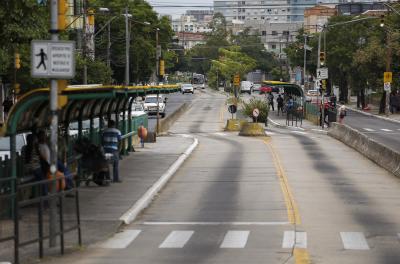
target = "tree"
x: 21, y: 21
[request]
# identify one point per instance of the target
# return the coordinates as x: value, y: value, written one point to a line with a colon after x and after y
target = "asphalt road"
x: 175, y: 100
x: 296, y: 197
x: 383, y: 131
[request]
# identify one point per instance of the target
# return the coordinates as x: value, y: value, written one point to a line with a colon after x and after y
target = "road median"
x: 381, y: 154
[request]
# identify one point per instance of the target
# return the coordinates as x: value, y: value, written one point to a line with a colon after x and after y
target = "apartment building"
x: 273, y: 11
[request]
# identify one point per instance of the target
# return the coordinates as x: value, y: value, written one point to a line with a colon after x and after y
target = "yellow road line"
x: 301, y: 256
x: 291, y: 206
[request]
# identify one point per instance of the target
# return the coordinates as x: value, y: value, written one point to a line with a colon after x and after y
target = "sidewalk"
x: 102, y: 207
x: 374, y: 110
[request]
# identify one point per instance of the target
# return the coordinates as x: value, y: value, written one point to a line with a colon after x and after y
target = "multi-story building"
x: 186, y: 23
x: 316, y: 17
x: 275, y: 36
x: 188, y: 39
x: 267, y: 10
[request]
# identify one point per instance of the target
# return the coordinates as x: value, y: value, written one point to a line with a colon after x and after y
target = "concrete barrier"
x: 382, y: 155
x: 168, y: 120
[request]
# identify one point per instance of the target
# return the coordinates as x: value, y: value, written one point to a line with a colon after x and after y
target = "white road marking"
x: 270, y: 133
x: 299, y: 132
x: 318, y: 130
x: 235, y: 239
x: 294, y: 239
x: 5, y: 262
x: 354, y: 241
x: 220, y: 134
x: 176, y: 239
x: 386, y: 130
x: 398, y: 235
x: 218, y: 223
x: 119, y: 240
x: 369, y: 129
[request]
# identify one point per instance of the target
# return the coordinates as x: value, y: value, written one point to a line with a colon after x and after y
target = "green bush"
x: 248, y: 107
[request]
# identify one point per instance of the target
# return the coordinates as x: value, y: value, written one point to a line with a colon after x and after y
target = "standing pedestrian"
x: 271, y: 101
x: 342, y: 113
x: 279, y: 100
x: 111, y: 140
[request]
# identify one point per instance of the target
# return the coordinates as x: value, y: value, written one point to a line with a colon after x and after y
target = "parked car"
x: 73, y: 128
x: 150, y: 104
x: 268, y: 89
x: 5, y: 145
x: 311, y: 94
x: 256, y: 87
x: 187, y: 88
x: 246, y: 87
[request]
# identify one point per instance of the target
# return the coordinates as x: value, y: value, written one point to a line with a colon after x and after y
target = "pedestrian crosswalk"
x: 237, y: 239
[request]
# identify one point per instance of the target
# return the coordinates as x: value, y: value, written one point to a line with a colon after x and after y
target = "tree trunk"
x: 363, y: 104
x: 382, y: 103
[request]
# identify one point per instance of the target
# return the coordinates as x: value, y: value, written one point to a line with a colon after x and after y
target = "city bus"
x: 198, y: 81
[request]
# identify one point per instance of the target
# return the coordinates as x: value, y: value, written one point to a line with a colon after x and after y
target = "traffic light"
x: 62, y: 14
x: 17, y: 61
x: 322, y: 58
x: 91, y: 17
x: 382, y: 24
x: 17, y: 88
x: 162, y: 68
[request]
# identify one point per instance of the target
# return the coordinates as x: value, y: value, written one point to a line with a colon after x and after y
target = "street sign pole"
x: 53, y: 129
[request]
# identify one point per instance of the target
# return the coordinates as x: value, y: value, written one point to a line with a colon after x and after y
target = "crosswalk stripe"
x: 386, y: 130
x: 120, y: 240
x: 354, y: 241
x: 220, y: 134
x: 176, y: 239
x: 369, y: 129
x: 294, y: 239
x: 235, y: 239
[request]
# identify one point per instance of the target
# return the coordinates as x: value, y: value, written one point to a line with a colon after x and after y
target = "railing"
x: 312, y: 113
x: 18, y: 196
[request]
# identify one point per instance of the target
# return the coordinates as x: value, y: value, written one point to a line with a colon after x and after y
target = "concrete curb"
x: 168, y: 121
x: 381, y: 154
x: 130, y: 216
x: 376, y: 116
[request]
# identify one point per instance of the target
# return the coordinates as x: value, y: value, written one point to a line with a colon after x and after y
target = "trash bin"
x: 332, y: 116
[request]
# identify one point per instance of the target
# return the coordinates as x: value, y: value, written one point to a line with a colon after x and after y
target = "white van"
x: 246, y: 87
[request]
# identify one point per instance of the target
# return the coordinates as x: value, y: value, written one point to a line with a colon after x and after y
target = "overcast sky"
x: 179, y: 6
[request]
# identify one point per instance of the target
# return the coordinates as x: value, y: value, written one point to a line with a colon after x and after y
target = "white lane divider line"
x: 270, y: 133
x: 386, y: 130
x: 119, y: 240
x: 299, y: 132
x: 294, y: 239
x: 217, y: 223
x: 235, y: 239
x: 354, y: 241
x: 176, y: 239
x: 220, y: 134
x: 368, y: 129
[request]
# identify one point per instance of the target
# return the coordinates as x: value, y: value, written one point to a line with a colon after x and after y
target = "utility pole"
x: 53, y: 128
x: 85, y: 40
x: 158, y: 50
x: 127, y: 44
x: 109, y: 45
x: 318, y: 66
x: 388, y: 68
